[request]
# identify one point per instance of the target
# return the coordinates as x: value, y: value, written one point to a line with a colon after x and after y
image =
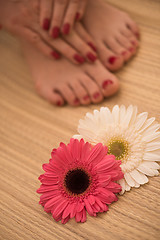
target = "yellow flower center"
x: 119, y: 148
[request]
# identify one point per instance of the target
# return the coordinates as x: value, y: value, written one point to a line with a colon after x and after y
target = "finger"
x: 74, y: 40
x: 85, y: 36
x: 37, y: 41
x: 70, y: 16
x: 81, y: 9
x: 45, y: 13
x: 57, y: 16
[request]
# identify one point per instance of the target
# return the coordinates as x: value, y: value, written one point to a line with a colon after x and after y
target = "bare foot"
x: 61, y: 81
x: 114, y: 32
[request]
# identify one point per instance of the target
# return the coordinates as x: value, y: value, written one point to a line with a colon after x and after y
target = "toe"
x: 111, y: 60
x: 93, y: 89
x: 106, y: 81
x: 68, y: 94
x: 48, y: 93
x: 80, y: 91
x: 132, y: 26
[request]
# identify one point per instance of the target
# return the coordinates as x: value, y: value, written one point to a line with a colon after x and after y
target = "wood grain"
x: 31, y: 127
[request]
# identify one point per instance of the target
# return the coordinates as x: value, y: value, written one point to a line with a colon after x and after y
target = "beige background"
x: 30, y: 127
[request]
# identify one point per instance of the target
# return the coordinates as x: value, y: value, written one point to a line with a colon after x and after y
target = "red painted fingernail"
x: 131, y: 49
x: 92, y: 46
x: 91, y: 57
x: 96, y: 94
x: 55, y: 54
x: 124, y: 53
x: 86, y: 97
x: 46, y: 24
x: 59, y: 103
x: 106, y: 83
x: 76, y: 101
x: 77, y: 16
x: 66, y: 28
x: 79, y: 58
x: 55, y: 32
x: 111, y: 60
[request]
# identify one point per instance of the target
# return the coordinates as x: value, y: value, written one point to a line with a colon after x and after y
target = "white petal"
x: 152, y: 165
x: 148, y: 171
x: 137, y: 185
x: 122, y: 112
x: 123, y: 185
x: 106, y: 113
x: 152, y: 146
x: 77, y: 137
x: 134, y: 115
x: 129, y: 180
x: 139, y: 177
x: 127, y: 187
x: 151, y: 137
x: 151, y: 156
x: 147, y: 124
x: 128, y: 116
x: 152, y: 128
x: 141, y: 118
x: 115, y: 114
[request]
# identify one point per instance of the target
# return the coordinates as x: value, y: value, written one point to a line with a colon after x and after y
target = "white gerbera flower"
x: 132, y: 138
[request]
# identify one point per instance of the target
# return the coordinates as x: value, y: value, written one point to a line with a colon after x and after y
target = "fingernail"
x: 55, y: 54
x: 46, y: 24
x: 131, y: 49
x: 59, y: 103
x: 77, y: 16
x: 76, y: 101
x: 66, y: 28
x: 96, y: 95
x: 124, y: 53
x: 86, y: 97
x: 92, y: 46
x: 106, y: 83
x: 55, y: 32
x: 91, y: 57
x: 79, y: 58
x: 111, y: 60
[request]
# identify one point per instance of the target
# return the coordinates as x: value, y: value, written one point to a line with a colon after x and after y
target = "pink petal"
x: 83, y: 219
x: 65, y: 220
x: 114, y: 187
x: 59, y: 208
x: 79, y: 216
x: 97, y: 153
x: 88, y: 207
x: 67, y: 211
x: 91, y: 199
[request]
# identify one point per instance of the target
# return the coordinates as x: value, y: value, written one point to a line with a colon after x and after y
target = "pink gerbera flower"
x: 77, y: 179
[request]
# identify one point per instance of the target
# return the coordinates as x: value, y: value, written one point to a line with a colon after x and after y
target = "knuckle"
x: 35, y: 38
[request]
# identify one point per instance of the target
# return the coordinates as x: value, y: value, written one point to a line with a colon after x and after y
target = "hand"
x: 59, y: 15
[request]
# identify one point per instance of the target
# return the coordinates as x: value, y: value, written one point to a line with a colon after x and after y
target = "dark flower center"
x: 77, y: 181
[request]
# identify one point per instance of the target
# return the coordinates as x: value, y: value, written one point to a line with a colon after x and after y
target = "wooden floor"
x: 30, y: 128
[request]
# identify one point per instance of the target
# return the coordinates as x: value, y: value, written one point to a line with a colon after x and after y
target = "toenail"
x: 77, y: 16
x: 137, y: 34
x: 79, y: 58
x: 96, y: 95
x: 124, y: 53
x: 92, y: 46
x: 133, y: 42
x: 86, y: 97
x: 106, y: 83
x: 55, y: 54
x: 76, y: 101
x: 46, y: 24
x: 59, y: 103
x: 66, y: 28
x: 55, y: 32
x: 111, y: 60
x: 131, y: 49
x: 91, y: 57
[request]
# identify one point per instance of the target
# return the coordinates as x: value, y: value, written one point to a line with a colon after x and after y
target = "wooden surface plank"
x: 31, y: 127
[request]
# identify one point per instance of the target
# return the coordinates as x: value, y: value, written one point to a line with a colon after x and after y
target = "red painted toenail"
x: 86, y: 97
x: 79, y: 58
x: 92, y: 46
x: 91, y: 57
x: 55, y: 54
x: 55, y: 32
x: 76, y: 101
x: 124, y: 53
x: 96, y: 95
x: 106, y: 83
x: 59, y: 103
x: 77, y: 16
x: 131, y: 49
x: 137, y: 35
x: 66, y: 28
x: 133, y: 42
x: 111, y: 60
x: 46, y: 24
